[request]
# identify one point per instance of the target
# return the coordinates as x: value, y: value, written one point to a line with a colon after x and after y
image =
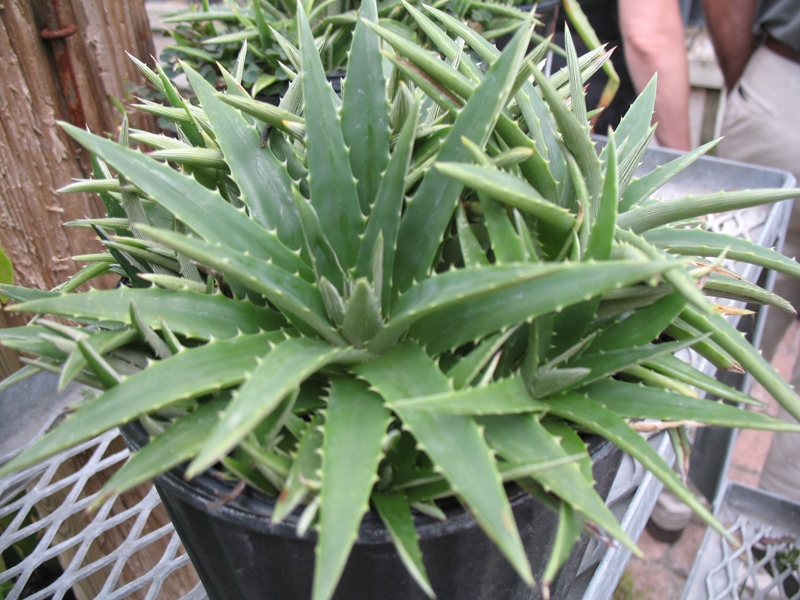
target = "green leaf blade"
x: 395, y: 513
x: 453, y: 442
x: 506, y: 396
x: 204, y: 211
x: 297, y: 298
x: 521, y: 438
x: 632, y: 401
x: 348, y: 474
x: 333, y: 188
x: 216, y: 365
x: 557, y: 222
x: 280, y: 372
x: 265, y: 185
x: 181, y: 442
x: 598, y: 419
x: 223, y: 318
x: 663, y: 212
x: 698, y: 242
x: 470, y: 318
x: 429, y: 212
x: 364, y: 103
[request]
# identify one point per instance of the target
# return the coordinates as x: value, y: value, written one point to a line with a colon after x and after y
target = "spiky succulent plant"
x: 419, y: 290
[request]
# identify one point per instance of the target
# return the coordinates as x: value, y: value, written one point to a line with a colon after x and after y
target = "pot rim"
x: 253, y: 509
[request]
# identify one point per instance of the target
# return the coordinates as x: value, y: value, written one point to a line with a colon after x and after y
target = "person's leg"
x: 761, y: 127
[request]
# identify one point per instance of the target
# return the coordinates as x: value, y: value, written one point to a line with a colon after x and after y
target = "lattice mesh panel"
x: 120, y: 551
x: 764, y: 567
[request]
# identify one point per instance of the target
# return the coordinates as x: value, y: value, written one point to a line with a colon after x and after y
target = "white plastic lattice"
x: 764, y: 567
x: 44, y: 500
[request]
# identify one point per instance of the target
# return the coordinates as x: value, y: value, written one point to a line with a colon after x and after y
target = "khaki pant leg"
x: 761, y: 127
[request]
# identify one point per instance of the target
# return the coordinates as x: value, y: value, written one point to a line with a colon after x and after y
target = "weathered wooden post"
x: 62, y: 60
x: 65, y: 60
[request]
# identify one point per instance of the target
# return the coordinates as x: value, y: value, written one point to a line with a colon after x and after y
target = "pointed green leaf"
x: 471, y: 250
x: 280, y: 372
x: 608, y: 363
x: 365, y: 109
x: 333, y: 187
x: 632, y: 401
x: 304, y: 470
x: 181, y: 442
x: 604, y: 226
x: 222, y: 317
x: 547, y: 382
x: 678, y: 370
x: 202, y: 210
x: 506, y: 242
x: 521, y: 438
x: 348, y: 473
x: 193, y: 157
x: 570, y: 526
x: 578, y: 104
x: 722, y: 285
x: 635, y: 125
x: 499, y: 296
x: 21, y: 294
x: 497, y: 398
x: 28, y: 339
x: 679, y: 279
x: 362, y: 318
x: 708, y: 349
x: 288, y: 292
x: 556, y: 222
x: 600, y: 420
x: 733, y: 342
x: 157, y: 345
x: 663, y: 212
x: 216, y: 365
x: 323, y: 258
x: 451, y: 289
x: 103, y: 342
x: 633, y: 158
x: 264, y: 183
x: 469, y: 366
x: 431, y: 209
x: 453, y: 442
x: 641, y: 327
x: 272, y: 115
x: 698, y: 242
x: 384, y: 219
x: 448, y: 47
x: 395, y: 513
x: 574, y: 134
x: 641, y: 189
x: 441, y: 73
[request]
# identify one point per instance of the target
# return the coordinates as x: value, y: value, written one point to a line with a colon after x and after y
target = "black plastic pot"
x: 239, y: 555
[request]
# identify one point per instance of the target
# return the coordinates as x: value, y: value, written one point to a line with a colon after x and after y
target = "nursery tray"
x: 632, y: 497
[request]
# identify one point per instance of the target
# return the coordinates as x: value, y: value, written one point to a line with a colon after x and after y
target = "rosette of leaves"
x: 422, y: 289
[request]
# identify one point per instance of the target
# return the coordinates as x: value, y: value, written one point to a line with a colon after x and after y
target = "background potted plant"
x: 417, y: 292
x: 209, y: 38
